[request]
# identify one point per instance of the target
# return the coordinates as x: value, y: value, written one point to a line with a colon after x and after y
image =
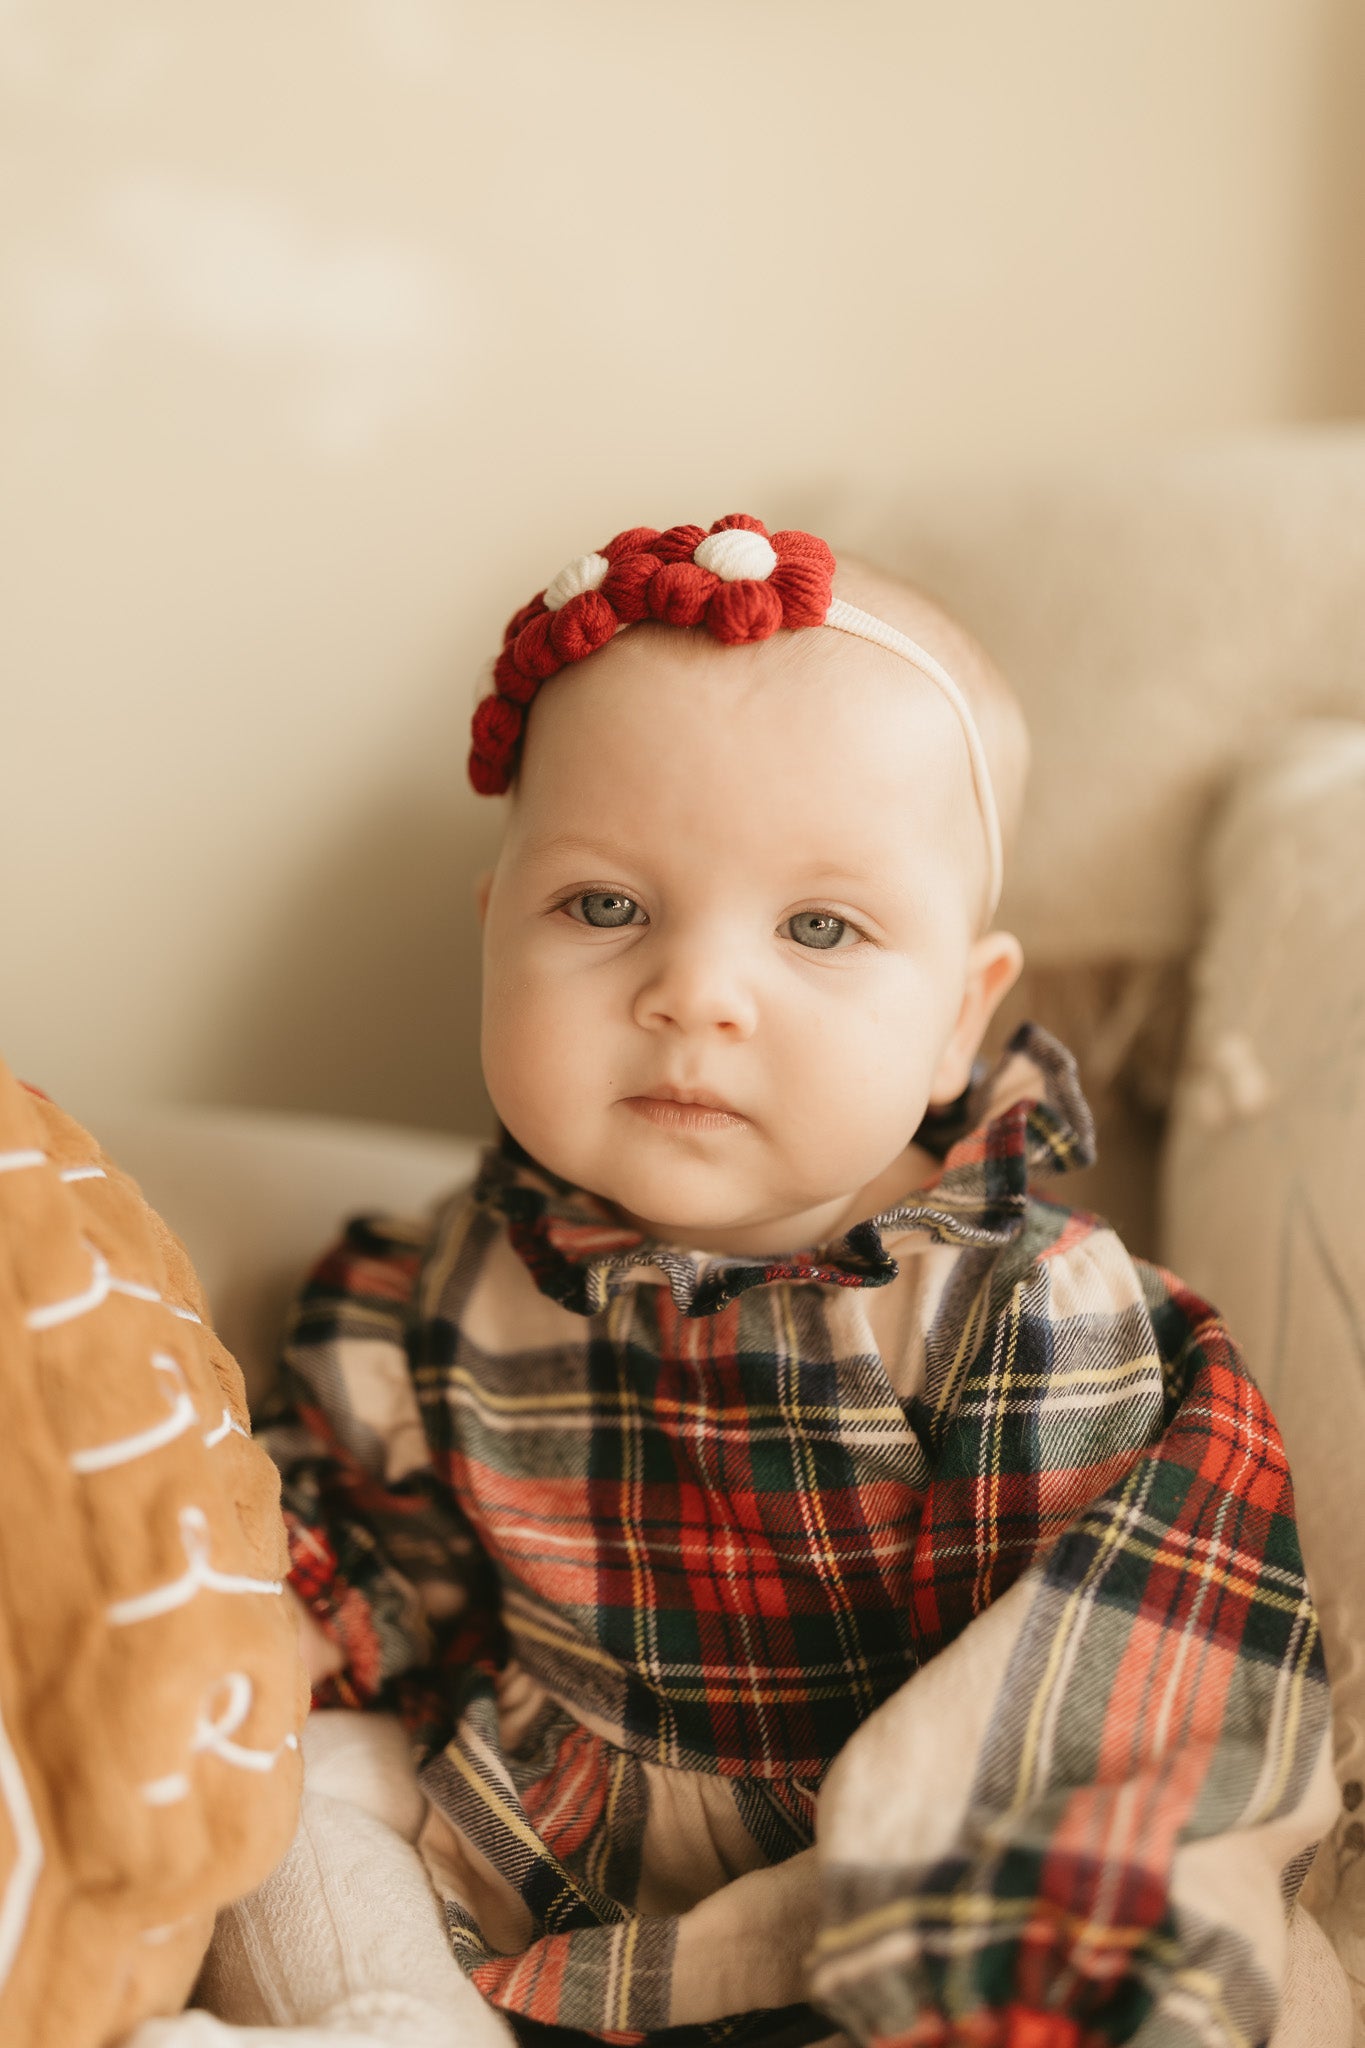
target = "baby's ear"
x: 993, y: 966
x: 482, y: 884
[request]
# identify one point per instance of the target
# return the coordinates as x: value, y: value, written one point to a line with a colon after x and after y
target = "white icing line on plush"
x: 13, y: 1162
x: 138, y: 1292
x: 227, y: 1427
x: 213, y: 1738
x: 54, y: 1312
x: 200, y: 1576
x: 122, y: 1450
x: 28, y: 1861
x: 167, y: 1932
x: 102, y: 1285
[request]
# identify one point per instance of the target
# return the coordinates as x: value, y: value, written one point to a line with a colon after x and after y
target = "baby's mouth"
x: 670, y: 1114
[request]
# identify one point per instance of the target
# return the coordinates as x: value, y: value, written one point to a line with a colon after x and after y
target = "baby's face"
x: 747, y: 872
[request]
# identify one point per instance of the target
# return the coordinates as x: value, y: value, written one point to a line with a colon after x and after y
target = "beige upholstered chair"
x: 1189, y: 639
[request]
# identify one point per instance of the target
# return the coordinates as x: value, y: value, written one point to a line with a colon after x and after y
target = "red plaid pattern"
x: 662, y: 1556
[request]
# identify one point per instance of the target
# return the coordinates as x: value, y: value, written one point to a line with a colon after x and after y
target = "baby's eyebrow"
x: 836, y: 871
x: 571, y: 842
x: 827, y: 873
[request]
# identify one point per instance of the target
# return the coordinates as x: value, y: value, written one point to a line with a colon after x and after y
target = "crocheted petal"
x: 581, y: 626
x: 744, y: 520
x: 804, y: 588
x: 495, y: 730
x: 489, y: 778
x: 678, y: 543
x: 510, y: 681
x: 532, y: 652
x: 496, y: 725
x: 626, y: 587
x: 679, y: 593
x: 740, y: 612
x: 791, y: 544
x: 523, y: 618
x: 636, y: 540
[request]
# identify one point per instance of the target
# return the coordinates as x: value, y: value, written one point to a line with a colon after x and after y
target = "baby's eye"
x: 818, y: 929
x: 602, y: 909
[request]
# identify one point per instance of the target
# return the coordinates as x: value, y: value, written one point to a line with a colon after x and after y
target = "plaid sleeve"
x: 1076, y: 1825
x: 380, y: 1551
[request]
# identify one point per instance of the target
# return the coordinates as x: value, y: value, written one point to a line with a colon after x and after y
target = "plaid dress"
x: 908, y: 1636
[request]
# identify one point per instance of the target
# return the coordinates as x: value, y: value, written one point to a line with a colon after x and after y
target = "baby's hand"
x: 322, y: 1657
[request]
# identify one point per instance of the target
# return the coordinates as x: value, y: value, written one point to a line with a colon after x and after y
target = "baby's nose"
x: 696, y: 984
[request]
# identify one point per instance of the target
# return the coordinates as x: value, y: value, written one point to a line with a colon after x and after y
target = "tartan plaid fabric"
x: 963, y: 1546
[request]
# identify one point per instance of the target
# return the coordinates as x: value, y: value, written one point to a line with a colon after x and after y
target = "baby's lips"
x: 688, y: 1093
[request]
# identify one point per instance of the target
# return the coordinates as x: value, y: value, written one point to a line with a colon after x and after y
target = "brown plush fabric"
x: 130, y: 1808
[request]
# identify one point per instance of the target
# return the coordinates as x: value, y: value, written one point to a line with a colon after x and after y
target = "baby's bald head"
x: 990, y: 697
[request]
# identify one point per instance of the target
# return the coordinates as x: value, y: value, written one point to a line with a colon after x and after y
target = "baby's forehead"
x: 810, y: 743
x: 811, y: 700
x: 888, y: 704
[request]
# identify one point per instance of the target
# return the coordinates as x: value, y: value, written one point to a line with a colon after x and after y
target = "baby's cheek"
x: 513, y: 1034
x: 892, y: 1052
x: 533, y: 1051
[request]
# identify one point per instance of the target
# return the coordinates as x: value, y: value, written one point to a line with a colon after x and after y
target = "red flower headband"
x: 738, y: 580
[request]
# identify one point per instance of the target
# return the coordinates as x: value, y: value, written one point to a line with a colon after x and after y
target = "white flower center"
x: 585, y: 572
x: 736, y: 555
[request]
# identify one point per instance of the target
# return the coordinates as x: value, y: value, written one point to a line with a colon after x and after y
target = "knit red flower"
x: 738, y: 581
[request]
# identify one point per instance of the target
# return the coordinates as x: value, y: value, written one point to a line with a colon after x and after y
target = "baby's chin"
x: 660, y: 1207
x: 703, y: 1206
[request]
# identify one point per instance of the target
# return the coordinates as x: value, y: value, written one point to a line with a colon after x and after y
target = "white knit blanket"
x: 344, y: 1945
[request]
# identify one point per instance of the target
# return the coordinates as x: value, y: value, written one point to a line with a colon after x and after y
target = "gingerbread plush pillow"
x: 151, y: 1694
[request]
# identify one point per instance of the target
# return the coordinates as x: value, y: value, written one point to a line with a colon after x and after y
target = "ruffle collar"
x: 1021, y: 1119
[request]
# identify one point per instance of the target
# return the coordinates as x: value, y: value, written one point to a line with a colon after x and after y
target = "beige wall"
x: 333, y: 326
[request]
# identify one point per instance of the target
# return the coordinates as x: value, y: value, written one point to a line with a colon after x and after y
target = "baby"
x: 828, y: 1585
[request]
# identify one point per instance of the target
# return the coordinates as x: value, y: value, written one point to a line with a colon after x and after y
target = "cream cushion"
x: 257, y: 1195
x: 1264, y: 1175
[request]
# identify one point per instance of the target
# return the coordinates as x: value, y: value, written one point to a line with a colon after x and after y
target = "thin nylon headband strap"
x: 846, y: 618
